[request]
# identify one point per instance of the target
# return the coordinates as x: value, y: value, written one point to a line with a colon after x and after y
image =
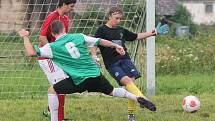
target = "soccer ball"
x: 191, y: 104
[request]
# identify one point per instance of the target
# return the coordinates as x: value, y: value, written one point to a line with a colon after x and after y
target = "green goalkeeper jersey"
x: 70, y: 53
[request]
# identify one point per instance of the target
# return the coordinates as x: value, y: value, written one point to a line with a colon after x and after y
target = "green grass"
x: 101, y: 108
x: 23, y: 86
x: 170, y: 90
x: 195, y: 83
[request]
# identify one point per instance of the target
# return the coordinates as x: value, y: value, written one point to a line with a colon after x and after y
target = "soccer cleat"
x: 146, y: 103
x: 46, y: 113
x: 131, y: 117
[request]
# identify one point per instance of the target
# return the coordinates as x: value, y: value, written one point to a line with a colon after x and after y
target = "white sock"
x: 53, y: 106
x: 120, y: 92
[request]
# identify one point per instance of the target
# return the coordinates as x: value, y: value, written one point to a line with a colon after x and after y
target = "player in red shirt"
x: 51, y: 70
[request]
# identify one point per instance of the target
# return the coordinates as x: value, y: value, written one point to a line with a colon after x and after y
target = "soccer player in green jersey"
x: 70, y: 53
x: 50, y: 69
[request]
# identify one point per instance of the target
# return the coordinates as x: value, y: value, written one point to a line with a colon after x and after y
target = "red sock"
x: 61, y: 100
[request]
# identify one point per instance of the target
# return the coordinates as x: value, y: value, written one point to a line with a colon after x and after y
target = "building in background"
x: 202, y: 11
x: 9, y: 12
x: 166, y: 7
x: 14, y: 14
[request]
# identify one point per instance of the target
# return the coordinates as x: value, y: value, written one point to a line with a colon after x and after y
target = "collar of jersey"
x: 61, y: 36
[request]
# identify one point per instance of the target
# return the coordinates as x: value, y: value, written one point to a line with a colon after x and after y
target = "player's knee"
x: 126, y: 80
x: 51, y: 90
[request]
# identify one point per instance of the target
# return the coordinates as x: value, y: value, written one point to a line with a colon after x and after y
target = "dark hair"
x: 114, y: 10
x: 67, y: 2
x: 57, y: 27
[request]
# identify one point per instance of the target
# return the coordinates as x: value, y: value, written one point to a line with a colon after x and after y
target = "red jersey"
x: 46, y: 30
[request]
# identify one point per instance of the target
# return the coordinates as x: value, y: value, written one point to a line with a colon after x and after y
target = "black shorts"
x: 122, y: 68
x: 96, y: 84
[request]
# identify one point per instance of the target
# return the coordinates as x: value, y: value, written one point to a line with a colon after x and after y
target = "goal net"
x: 20, y: 76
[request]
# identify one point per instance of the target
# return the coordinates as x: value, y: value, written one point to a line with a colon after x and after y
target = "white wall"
x: 200, y: 16
x: 11, y: 17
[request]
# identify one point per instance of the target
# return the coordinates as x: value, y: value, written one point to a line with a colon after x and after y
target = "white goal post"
x: 150, y: 47
x: 21, y: 76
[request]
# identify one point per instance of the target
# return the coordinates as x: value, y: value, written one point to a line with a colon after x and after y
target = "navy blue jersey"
x: 117, y: 35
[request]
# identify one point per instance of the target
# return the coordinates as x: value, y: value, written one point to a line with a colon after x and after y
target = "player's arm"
x: 144, y: 35
x: 94, y: 56
x: 93, y: 49
x: 30, y: 51
x: 107, y: 43
x: 91, y: 41
x: 43, y: 40
x: 161, y: 29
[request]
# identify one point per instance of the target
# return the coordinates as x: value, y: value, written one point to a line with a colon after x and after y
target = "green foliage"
x: 183, y: 56
x: 183, y: 17
x: 175, y: 56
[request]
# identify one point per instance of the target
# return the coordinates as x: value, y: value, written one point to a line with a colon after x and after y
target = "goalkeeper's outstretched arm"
x: 30, y: 51
x: 161, y: 29
x: 144, y: 35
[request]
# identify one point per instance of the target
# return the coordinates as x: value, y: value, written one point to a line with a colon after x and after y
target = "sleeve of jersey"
x: 45, y: 26
x: 91, y: 41
x: 44, y: 51
x: 98, y: 33
x: 129, y: 36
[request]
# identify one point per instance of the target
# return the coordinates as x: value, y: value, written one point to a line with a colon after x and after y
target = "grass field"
x: 170, y: 92
x: 100, y: 108
x: 23, y: 87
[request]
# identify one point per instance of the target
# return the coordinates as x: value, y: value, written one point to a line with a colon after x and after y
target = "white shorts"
x: 52, y: 71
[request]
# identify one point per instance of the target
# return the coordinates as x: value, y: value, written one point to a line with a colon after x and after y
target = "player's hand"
x: 23, y: 33
x: 162, y: 29
x: 96, y: 60
x: 120, y: 50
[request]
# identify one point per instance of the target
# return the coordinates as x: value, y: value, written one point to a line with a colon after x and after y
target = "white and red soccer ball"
x: 191, y: 104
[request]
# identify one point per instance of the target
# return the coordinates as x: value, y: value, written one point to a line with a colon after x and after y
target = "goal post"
x: 150, y: 47
x: 20, y: 76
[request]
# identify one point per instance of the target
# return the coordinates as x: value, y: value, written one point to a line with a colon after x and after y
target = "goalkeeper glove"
x: 162, y: 29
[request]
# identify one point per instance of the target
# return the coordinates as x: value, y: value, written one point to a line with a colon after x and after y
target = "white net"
x: 20, y: 76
